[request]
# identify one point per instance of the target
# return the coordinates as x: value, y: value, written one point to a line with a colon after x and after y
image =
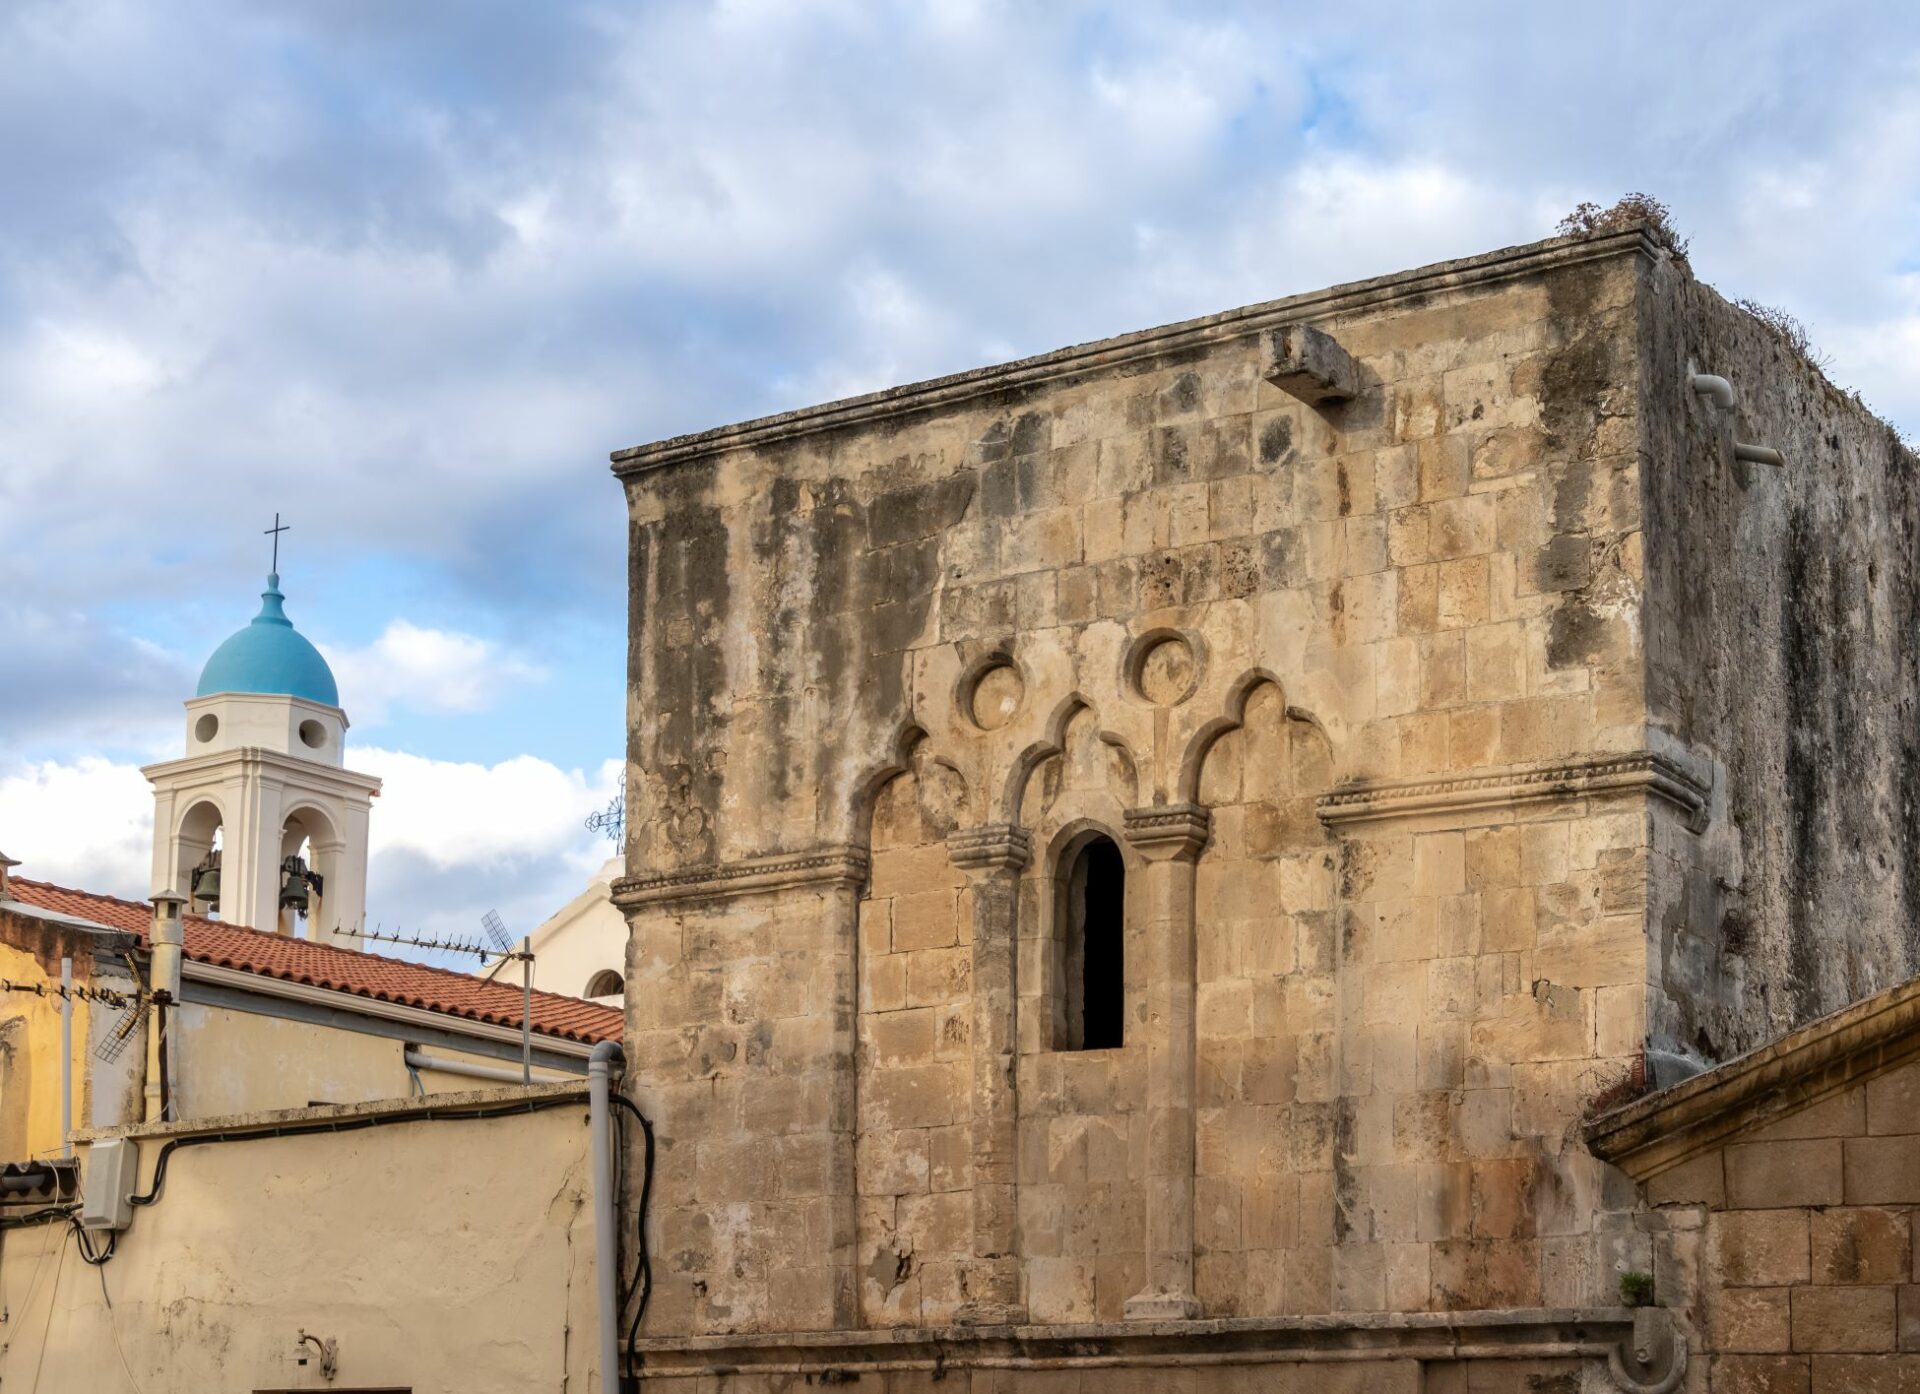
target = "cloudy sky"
x: 406, y: 273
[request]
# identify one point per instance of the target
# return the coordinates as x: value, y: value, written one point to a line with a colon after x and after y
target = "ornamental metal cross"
x: 274, y: 532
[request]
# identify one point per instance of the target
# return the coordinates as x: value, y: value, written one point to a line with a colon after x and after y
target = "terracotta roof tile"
x: 338, y: 969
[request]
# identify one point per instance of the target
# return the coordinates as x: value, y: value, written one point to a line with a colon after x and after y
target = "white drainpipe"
x: 606, y: 1240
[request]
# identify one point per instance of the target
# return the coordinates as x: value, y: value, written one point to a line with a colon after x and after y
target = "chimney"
x: 6, y: 864
x: 166, y: 940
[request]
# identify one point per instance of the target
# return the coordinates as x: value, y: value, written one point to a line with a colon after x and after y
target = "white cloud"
x: 423, y: 669
x: 456, y: 814
x: 88, y: 824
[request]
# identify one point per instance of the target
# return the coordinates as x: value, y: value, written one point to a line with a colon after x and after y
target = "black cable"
x: 39, y: 1217
x: 96, y: 1257
x: 643, y: 1271
x: 345, y: 1125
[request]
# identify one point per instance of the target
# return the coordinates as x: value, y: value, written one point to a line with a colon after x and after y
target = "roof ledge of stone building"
x: 1660, y: 1131
x: 339, y: 1118
x: 1080, y: 359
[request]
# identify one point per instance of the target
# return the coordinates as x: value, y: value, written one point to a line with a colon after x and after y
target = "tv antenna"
x: 502, y: 951
x: 450, y: 946
x: 119, y: 1036
x: 612, y: 819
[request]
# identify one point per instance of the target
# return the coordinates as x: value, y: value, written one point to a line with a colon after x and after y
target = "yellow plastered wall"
x: 30, y: 1059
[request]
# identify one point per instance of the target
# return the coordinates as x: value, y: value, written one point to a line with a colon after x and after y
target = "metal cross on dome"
x: 274, y: 532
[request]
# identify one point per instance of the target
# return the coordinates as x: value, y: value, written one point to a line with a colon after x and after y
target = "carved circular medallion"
x: 1163, y: 669
x: 995, y: 695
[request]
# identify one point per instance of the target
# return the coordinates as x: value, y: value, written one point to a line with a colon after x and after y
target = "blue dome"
x: 270, y: 655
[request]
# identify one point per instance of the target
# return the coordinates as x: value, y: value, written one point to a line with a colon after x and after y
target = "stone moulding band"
x: 1636, y: 772
x: 1605, y: 1336
x: 995, y: 846
x: 1179, y: 827
x: 831, y: 866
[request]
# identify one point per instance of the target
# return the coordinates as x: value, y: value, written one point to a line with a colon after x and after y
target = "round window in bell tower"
x: 312, y: 734
x: 206, y: 728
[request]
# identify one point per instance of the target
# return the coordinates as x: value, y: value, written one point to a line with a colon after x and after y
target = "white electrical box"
x: 106, y: 1194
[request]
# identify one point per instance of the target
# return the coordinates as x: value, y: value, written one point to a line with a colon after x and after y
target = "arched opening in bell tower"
x: 196, y: 858
x: 309, y: 852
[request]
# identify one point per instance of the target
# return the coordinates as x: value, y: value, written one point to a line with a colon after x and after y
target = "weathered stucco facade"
x: 1471, y: 726
x: 422, y: 1247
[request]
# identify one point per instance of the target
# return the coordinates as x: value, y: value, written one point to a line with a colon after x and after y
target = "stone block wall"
x: 1360, y: 690
x: 1783, y: 651
x: 1806, y: 1258
x: 1334, y: 679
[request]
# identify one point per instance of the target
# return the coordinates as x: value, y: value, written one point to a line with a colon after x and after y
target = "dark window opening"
x: 1095, y: 924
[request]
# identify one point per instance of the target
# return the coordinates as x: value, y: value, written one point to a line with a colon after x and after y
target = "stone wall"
x: 1356, y: 688
x: 1783, y: 643
x: 1797, y: 1245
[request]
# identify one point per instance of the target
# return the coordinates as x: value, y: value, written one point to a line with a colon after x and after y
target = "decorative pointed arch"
x: 1233, y: 716
x: 1053, y: 743
x: 897, y: 761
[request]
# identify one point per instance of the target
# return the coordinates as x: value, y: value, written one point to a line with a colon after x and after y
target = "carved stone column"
x: 993, y: 857
x: 1168, y: 838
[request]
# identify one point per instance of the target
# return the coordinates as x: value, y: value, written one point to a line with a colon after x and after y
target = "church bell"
x: 206, y: 887
x: 293, y: 892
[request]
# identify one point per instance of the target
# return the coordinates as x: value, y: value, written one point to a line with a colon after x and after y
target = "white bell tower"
x: 265, y: 767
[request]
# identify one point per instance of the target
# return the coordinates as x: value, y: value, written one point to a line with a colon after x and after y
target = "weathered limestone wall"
x: 915, y: 1163
x: 1795, y: 1246
x: 1783, y: 644
x: 1356, y: 688
x: 440, y: 1256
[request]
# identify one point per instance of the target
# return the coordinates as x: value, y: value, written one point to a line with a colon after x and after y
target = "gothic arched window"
x: 1092, y: 919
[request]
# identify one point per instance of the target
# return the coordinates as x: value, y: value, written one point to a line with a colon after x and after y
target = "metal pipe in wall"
x: 418, y: 1059
x: 606, y: 1239
x: 66, y: 1057
x: 1713, y: 386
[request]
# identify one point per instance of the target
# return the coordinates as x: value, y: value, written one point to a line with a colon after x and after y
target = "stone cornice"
x: 834, y: 865
x: 1635, y: 772
x: 1168, y: 830
x: 995, y: 847
x: 1183, y: 337
x: 1608, y: 1336
x: 1660, y: 1131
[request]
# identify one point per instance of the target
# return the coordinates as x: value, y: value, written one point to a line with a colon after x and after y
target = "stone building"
x: 1149, y: 855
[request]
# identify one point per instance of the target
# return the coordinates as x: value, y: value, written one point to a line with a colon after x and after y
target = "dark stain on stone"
x: 1736, y: 931
x: 1346, y: 1183
x: 1180, y: 396
x: 1804, y: 787
x: 1032, y: 432
x: 1276, y: 439
x: 692, y: 597
x: 1576, y: 634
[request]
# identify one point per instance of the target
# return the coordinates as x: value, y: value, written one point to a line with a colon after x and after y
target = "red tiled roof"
x: 338, y: 969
